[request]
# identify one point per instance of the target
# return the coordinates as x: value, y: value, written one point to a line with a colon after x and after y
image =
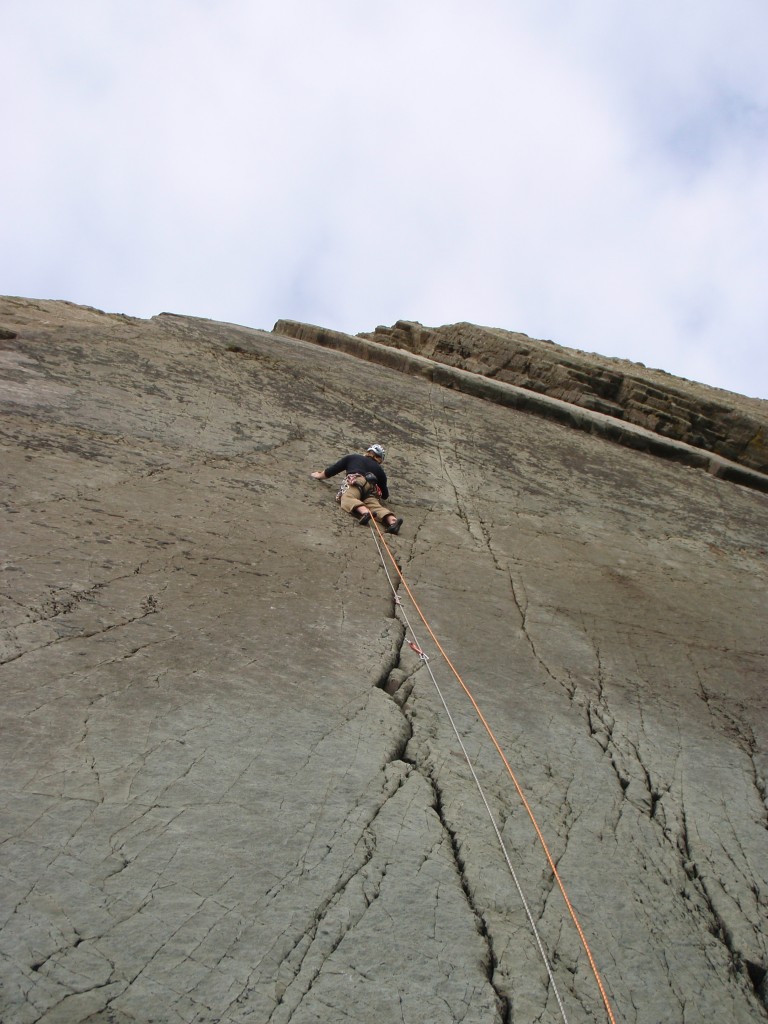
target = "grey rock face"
x: 230, y: 789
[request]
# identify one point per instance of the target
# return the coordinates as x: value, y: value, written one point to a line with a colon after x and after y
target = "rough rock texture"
x: 730, y: 425
x: 230, y: 791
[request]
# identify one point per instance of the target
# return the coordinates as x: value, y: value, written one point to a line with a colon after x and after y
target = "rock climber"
x: 365, y: 482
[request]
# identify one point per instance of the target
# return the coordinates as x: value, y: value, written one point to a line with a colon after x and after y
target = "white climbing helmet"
x: 377, y: 449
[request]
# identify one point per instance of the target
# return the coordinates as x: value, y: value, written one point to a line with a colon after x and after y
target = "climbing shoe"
x: 365, y: 518
x: 394, y: 527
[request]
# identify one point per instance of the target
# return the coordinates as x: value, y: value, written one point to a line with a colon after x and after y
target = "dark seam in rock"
x: 424, y: 770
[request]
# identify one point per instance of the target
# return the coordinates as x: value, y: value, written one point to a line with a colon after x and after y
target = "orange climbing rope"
x: 513, y: 777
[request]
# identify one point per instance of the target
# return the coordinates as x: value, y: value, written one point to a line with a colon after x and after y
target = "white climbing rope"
x: 425, y: 660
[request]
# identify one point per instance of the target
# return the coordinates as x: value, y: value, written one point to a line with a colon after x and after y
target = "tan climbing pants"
x: 351, y: 499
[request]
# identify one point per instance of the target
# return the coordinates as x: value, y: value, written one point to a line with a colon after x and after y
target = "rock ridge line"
x: 589, y: 418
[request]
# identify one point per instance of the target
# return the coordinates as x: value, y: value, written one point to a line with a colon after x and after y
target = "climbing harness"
x: 366, y: 483
x: 380, y: 542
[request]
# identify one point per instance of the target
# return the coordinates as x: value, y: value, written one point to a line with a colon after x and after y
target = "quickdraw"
x: 415, y: 647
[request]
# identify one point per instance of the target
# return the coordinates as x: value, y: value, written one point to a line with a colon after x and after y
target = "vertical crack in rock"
x: 427, y: 773
x: 663, y: 805
x: 331, y: 921
x: 651, y: 804
x: 492, y: 962
x: 395, y: 678
x: 745, y: 736
x: 742, y: 963
x: 521, y: 605
x: 478, y: 530
x: 718, y: 928
x: 341, y: 911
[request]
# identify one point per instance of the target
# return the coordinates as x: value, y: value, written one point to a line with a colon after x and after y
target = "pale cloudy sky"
x: 590, y: 171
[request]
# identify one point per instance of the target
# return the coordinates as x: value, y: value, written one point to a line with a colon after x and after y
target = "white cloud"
x: 593, y: 173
